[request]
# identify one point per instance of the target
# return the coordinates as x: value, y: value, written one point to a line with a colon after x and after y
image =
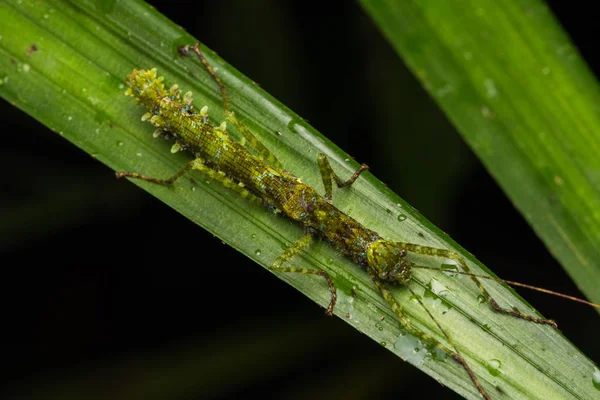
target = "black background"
x: 158, y: 320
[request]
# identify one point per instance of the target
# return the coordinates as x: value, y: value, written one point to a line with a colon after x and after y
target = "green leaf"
x: 73, y: 83
x: 515, y: 87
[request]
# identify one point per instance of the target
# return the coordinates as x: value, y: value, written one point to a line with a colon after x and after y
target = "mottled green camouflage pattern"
x: 281, y: 190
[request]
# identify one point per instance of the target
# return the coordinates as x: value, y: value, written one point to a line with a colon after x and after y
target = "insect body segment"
x: 387, y: 261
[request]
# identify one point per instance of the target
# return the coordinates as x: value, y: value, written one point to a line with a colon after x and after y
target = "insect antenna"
x: 513, y: 283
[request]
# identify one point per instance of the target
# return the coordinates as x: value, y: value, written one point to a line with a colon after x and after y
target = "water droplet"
x: 487, y: 113
x: 257, y: 252
x: 138, y: 154
x: 253, y: 236
x: 444, y: 90
x: 435, y: 353
x: 383, y: 344
x: 494, y: 366
x: 398, y: 205
x: 415, y: 298
x: 119, y: 143
x: 450, y: 270
x: 402, y: 217
x: 330, y: 261
x: 596, y: 379
x: 408, y: 347
x: 193, y: 188
x: 480, y: 299
x: 293, y: 124
x: 437, y: 288
x: 490, y: 88
x: 284, y: 246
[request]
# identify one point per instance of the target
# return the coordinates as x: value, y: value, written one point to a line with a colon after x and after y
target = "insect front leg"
x: 293, y: 251
x: 432, y: 251
x: 328, y: 175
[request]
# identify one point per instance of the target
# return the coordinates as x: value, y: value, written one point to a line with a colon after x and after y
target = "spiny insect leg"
x: 185, y: 51
x: 256, y: 144
x: 293, y: 251
x: 198, y: 165
x: 432, y: 251
x: 412, y: 329
x: 189, y: 166
x: 327, y: 174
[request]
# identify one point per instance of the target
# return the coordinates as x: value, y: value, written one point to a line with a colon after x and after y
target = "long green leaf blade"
x: 73, y: 84
x: 513, y: 84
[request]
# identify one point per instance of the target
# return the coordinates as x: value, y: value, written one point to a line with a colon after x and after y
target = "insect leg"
x: 185, y: 51
x: 328, y: 175
x: 408, y: 325
x: 253, y: 141
x: 256, y: 144
x: 293, y: 251
x: 432, y: 251
x: 196, y: 164
x: 189, y: 166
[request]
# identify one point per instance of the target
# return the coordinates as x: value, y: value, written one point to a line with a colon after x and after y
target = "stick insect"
x: 255, y: 173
